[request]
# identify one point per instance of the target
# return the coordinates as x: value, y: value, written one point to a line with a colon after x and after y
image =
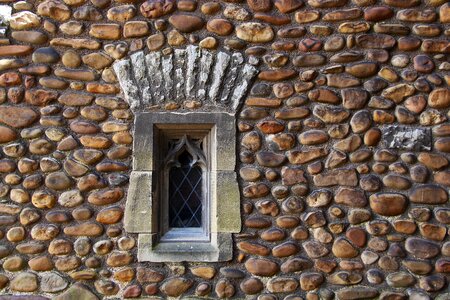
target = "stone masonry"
x: 343, y: 144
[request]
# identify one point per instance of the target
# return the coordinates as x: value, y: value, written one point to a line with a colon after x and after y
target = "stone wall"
x: 343, y: 148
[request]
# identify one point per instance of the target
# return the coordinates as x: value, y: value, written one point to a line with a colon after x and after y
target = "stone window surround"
x: 225, y: 196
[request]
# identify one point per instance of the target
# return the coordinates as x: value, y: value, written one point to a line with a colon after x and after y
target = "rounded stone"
x: 47, y: 55
x: 52, y: 283
x: 220, y: 27
x: 176, y: 286
x: 343, y: 248
x: 261, y: 267
x: 186, y: 23
x: 421, y: 248
x: 254, y: 32
x: 423, y: 63
x: 251, y: 286
x: 24, y: 282
x: 388, y: 204
x: 58, y: 181
x: 439, y: 98
x: 70, y: 198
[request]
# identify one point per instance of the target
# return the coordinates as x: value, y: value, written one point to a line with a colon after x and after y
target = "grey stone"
x: 236, y: 60
x: 140, y: 75
x: 153, y: 61
x: 192, y: 57
x: 222, y: 61
x: 206, y: 62
x: 53, y: 283
x: 179, y: 61
x: 129, y: 88
x: 408, y: 138
x: 77, y: 292
x: 167, y: 68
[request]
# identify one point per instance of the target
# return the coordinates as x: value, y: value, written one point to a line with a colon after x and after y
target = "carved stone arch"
x: 186, y: 88
x: 209, y: 80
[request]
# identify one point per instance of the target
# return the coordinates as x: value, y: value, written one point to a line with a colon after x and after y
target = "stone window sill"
x: 218, y: 249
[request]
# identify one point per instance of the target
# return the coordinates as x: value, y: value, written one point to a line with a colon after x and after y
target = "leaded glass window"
x: 185, y: 170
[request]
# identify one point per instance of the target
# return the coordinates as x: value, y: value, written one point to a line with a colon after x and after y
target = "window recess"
x: 183, y: 199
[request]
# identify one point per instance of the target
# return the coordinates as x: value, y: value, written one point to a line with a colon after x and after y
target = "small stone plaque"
x: 406, y: 137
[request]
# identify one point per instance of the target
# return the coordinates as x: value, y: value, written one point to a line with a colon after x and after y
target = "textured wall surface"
x: 343, y: 147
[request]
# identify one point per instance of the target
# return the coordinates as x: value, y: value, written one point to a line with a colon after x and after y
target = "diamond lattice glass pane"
x: 185, y: 194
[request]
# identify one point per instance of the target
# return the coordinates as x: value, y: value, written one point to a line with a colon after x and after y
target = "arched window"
x: 185, y: 177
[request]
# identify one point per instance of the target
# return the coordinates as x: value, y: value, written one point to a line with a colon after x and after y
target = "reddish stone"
x: 17, y: 117
x: 15, y: 50
x: 157, y: 8
x: 310, y: 44
x: 379, y: 13
x: 287, y: 6
x: 357, y: 236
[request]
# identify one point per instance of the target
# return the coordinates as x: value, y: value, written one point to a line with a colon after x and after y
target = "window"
x: 184, y: 184
x: 183, y: 198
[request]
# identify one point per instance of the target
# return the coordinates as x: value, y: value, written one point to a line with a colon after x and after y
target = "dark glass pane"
x: 185, y: 194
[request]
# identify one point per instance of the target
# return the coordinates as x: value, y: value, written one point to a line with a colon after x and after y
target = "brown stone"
x: 416, y: 15
x: 292, y: 113
x: 388, y: 204
x: 396, y: 182
x: 428, y: 194
x: 357, y: 292
x: 315, y: 249
x: 254, y: 32
x: 306, y: 17
x: 313, y: 137
x: 418, y: 267
x: 157, y: 8
x: 186, y: 23
x: 155, y: 42
x: 330, y: 114
x: 310, y: 281
x: 7, y: 134
x: 110, y: 215
x: 346, y: 177
x: 24, y: 282
x: 220, y: 26
x: 379, y: 13
x: 350, y: 197
x: 84, y: 229
x: 54, y: 9
x: 432, y: 283
x: 375, y: 41
x: 357, y: 236
x: 439, y: 98
x: 176, y: 286
x: 291, y: 176
x: 107, y: 196
x: 324, y: 96
x: 135, y: 29
x: 17, y: 117
x: 421, y: 248
x: 261, y: 267
x: 122, y: 13
x: 83, y: 75
x: 326, y: 3
x: 284, y: 250
x: 343, y: 249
